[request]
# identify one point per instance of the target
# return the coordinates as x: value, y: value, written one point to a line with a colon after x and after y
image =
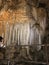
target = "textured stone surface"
x: 13, y: 11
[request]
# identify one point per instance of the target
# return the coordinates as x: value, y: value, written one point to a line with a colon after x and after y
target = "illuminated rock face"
x: 23, y: 14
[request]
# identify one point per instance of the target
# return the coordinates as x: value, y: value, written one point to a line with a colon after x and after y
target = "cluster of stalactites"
x: 23, y: 34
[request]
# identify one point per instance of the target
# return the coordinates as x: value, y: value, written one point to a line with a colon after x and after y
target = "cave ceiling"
x: 13, y: 4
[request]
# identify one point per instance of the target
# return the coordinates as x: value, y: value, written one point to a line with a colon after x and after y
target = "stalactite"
x: 22, y: 34
x: 16, y: 37
x: 10, y: 35
x: 6, y: 33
